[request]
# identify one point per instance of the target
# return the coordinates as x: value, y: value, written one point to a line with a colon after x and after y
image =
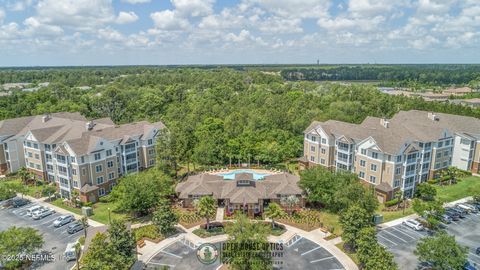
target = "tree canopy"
x: 442, y: 251
x: 18, y: 240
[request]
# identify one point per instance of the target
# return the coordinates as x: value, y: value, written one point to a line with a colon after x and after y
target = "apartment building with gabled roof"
x: 395, y: 154
x: 77, y: 154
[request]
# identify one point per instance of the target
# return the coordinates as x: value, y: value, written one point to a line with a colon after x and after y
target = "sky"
x: 163, y: 32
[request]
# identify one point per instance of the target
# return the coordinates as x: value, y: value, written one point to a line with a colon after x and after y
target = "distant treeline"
x: 402, y: 74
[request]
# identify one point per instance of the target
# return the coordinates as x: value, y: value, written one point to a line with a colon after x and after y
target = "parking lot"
x: 300, y: 253
x: 401, y: 240
x: 56, y: 239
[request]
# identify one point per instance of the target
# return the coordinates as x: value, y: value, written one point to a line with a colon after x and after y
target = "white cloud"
x: 341, y: 23
x: 242, y: 36
x: 110, y: 34
x: 461, y: 40
x: 424, y: 43
x: 370, y: 7
x: 81, y: 14
x: 126, y: 17
x: 2, y: 15
x: 35, y: 28
x: 193, y: 7
x: 19, y: 5
x: 133, y: 2
x: 9, y: 31
x: 434, y: 6
x: 281, y: 25
x: 169, y: 20
x: 294, y: 8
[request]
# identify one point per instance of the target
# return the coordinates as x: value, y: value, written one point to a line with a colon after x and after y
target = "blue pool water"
x: 231, y: 175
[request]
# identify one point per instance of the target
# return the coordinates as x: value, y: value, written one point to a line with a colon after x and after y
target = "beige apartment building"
x: 395, y: 154
x: 77, y: 154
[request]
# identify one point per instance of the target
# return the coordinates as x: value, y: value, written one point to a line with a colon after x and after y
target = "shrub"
x: 208, y: 233
x: 148, y: 231
x: 391, y: 202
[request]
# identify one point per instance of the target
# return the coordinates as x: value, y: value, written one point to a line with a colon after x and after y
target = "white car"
x: 412, y: 223
x: 39, y: 214
x: 62, y: 220
x: 33, y: 209
x: 467, y: 207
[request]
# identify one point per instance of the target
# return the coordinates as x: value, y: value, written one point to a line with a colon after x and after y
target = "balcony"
x: 411, y: 160
x: 410, y: 173
x: 128, y: 150
x: 62, y: 173
x: 343, y: 160
x: 131, y: 160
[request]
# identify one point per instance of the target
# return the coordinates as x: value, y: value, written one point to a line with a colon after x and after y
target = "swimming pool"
x: 231, y: 175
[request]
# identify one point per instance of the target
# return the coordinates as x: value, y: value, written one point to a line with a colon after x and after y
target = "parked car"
x: 70, y: 253
x: 477, y: 251
x: 452, y: 214
x: 33, y: 209
x: 425, y: 266
x: 469, y: 266
x: 44, y: 212
x: 62, y: 220
x: 19, y: 202
x: 412, y: 223
x: 473, y: 208
x: 446, y: 219
x: 75, y: 227
x: 476, y: 204
x: 467, y: 208
x: 461, y: 212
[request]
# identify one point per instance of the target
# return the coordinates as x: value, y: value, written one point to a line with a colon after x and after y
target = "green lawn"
x: 468, y: 186
x: 389, y: 216
x: 330, y: 221
x: 100, y: 211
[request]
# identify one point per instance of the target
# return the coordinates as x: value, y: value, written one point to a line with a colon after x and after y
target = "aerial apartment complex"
x: 77, y: 154
x: 395, y: 154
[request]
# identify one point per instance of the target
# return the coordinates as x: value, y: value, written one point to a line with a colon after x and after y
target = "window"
x: 101, y: 192
x: 35, y: 145
x: 362, y: 163
x: 324, y: 141
x: 398, y: 170
x: 98, y: 168
x: 314, y: 138
x: 97, y: 156
x: 373, y: 179
x: 312, y: 158
x: 99, y: 180
x: 29, y: 144
x: 47, y: 147
x: 51, y: 178
x: 151, y: 152
x: 446, y: 153
x: 49, y: 167
x: 37, y: 156
x: 426, y: 155
x: 312, y: 148
x: 110, y: 164
x: 82, y: 159
x: 150, y: 141
x: 109, y: 153
x: 363, y: 151
x: 439, y: 155
x: 322, y: 161
x: 49, y: 157
x: 74, y: 171
x: 75, y: 184
x: 373, y: 167
x: 111, y: 176
x: 151, y: 162
x: 84, y: 171
x: 399, y: 158
x: 447, y: 143
x: 323, y: 150
x: 30, y: 154
x: 396, y: 183
x: 31, y: 165
x: 440, y: 144
x: 374, y: 155
x: 73, y: 159
x: 361, y: 175
x: 38, y: 167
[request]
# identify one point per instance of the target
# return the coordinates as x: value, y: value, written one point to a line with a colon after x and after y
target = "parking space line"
x: 388, y: 240
x: 323, y: 259
x: 310, y: 250
x: 412, y: 230
x: 476, y: 257
x: 171, y: 254
x: 162, y: 264
x: 74, y: 234
x: 403, y: 240
x: 49, y: 221
x: 404, y: 232
x: 15, y: 210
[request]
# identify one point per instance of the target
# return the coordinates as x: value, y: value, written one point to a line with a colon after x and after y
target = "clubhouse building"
x: 246, y: 190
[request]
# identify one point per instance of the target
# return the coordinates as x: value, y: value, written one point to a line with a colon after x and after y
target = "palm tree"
x: 274, y: 211
x: 84, y: 221
x: 290, y: 202
x: 74, y: 197
x: 206, y: 207
x: 25, y: 175
x: 398, y: 195
x: 78, y: 249
x: 452, y: 173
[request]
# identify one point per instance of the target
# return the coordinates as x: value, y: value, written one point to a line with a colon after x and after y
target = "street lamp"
x: 109, y: 219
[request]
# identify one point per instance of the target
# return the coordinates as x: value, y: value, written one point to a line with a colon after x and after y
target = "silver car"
x: 62, y: 220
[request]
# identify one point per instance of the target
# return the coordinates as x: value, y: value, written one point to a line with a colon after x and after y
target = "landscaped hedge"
x: 439, y: 180
x: 391, y: 202
x: 149, y: 231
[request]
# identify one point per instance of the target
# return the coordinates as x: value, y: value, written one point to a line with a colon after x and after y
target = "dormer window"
x: 243, y: 183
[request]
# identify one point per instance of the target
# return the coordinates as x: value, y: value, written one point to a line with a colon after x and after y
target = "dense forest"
x: 394, y: 75
x: 214, y: 114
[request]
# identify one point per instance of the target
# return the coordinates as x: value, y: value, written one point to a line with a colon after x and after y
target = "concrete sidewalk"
x: 42, y: 202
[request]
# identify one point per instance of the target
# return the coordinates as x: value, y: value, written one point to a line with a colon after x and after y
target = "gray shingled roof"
x: 211, y: 184
x: 404, y: 127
